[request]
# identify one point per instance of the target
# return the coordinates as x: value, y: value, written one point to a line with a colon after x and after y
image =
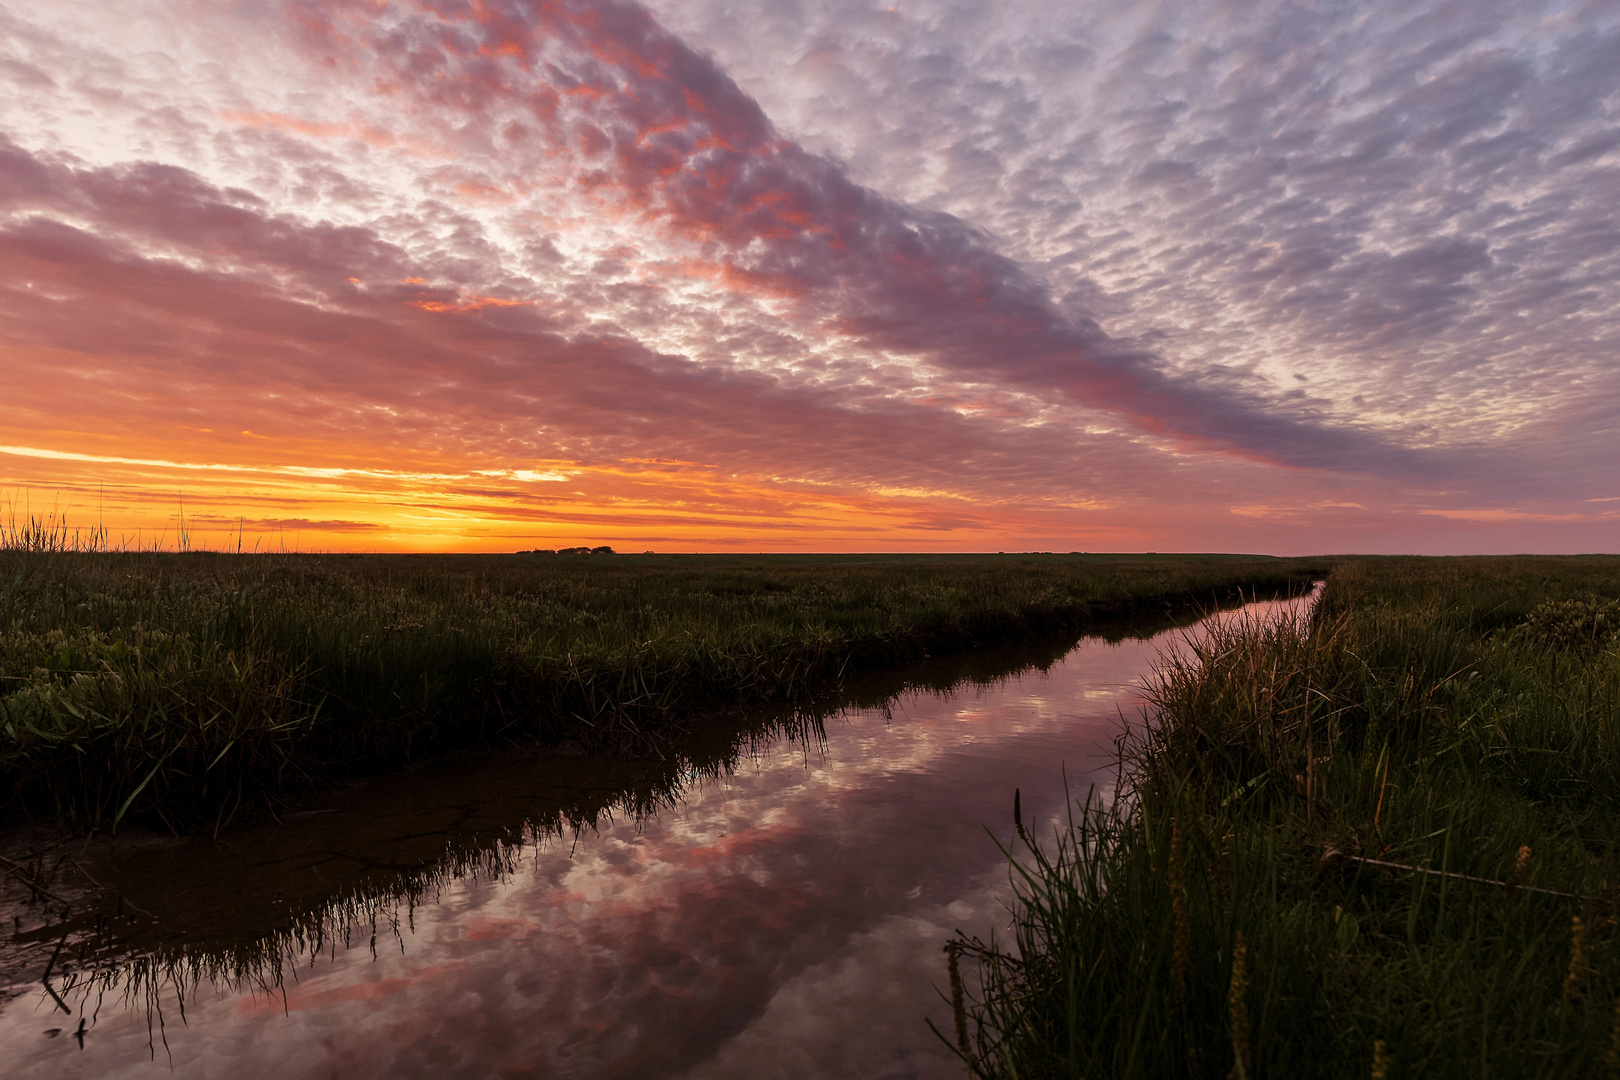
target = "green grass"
x: 351, y: 876
x: 181, y: 687
x: 1455, y: 716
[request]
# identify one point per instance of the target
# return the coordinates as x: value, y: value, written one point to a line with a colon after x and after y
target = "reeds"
x: 1193, y: 927
x: 47, y: 531
x: 183, y: 688
x: 278, y: 923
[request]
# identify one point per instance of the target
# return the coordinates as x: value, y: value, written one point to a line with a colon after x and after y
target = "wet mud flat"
x: 774, y: 898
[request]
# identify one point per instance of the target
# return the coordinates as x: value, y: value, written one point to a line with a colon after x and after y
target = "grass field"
x: 182, y: 687
x: 1381, y: 841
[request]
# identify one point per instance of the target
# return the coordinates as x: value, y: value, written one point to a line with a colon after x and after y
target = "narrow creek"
x: 774, y: 905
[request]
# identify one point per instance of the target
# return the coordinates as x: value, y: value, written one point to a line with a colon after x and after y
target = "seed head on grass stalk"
x: 1575, y: 977
x: 1178, y: 902
x: 1237, y: 1005
x: 953, y: 952
x: 1521, y: 865
x: 1380, y: 1061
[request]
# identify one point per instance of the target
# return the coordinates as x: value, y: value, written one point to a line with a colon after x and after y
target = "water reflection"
x: 773, y: 902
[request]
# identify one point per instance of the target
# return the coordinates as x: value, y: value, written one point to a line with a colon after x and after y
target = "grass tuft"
x: 1382, y: 839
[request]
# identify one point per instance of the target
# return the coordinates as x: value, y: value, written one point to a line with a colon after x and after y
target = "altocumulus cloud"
x: 1047, y: 253
x: 1410, y: 205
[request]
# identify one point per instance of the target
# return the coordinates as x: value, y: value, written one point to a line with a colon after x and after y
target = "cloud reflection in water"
x: 784, y: 920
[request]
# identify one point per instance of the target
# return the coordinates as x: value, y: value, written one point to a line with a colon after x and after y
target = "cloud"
x: 258, y: 318
x: 1408, y: 203
x: 1052, y: 259
x: 657, y: 131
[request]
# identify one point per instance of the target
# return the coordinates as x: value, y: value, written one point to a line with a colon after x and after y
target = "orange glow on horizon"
x: 409, y: 277
x: 631, y: 505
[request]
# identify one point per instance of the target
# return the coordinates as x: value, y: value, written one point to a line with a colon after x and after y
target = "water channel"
x: 774, y: 906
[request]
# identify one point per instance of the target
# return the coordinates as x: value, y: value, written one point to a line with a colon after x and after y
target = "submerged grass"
x: 184, y: 686
x: 1381, y: 840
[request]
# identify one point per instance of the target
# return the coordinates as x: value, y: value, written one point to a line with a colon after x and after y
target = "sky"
x: 778, y: 275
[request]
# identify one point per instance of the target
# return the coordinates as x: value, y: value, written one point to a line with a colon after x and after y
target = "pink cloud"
x: 497, y: 232
x: 654, y: 129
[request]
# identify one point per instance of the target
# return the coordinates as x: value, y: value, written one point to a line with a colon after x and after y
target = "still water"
x: 774, y: 908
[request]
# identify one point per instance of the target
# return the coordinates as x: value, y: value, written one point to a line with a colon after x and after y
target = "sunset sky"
x: 814, y: 274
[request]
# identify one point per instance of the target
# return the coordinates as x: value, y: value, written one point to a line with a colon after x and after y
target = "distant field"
x: 1383, y: 841
x: 181, y: 688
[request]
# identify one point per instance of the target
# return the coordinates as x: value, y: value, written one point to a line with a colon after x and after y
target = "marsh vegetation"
x: 190, y: 689
x: 750, y: 854
x: 1381, y: 840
